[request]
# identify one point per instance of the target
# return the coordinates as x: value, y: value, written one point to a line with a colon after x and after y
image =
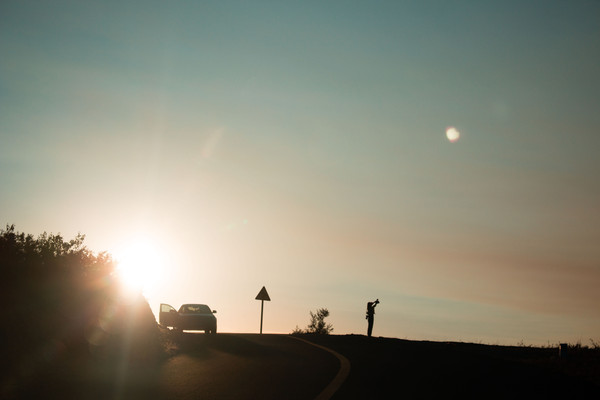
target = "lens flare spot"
x: 452, y: 134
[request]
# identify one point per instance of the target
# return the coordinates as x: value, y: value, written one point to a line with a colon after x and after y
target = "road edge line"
x: 341, y: 376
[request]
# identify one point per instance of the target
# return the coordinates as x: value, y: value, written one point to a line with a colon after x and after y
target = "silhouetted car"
x: 190, y: 317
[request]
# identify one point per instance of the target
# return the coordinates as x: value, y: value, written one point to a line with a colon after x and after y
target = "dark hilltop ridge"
x: 428, y: 370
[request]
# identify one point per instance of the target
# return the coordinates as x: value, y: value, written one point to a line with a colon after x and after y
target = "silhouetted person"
x: 371, y: 315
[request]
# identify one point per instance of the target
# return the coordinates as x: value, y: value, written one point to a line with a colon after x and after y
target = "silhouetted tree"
x: 317, y: 322
x: 60, y: 299
x: 48, y: 280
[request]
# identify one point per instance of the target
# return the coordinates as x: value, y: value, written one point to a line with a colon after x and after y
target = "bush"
x: 61, y: 300
x: 317, y: 324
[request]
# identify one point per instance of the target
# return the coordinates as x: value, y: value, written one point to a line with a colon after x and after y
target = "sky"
x: 302, y: 146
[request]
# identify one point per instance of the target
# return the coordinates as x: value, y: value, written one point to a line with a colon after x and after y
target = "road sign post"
x: 262, y: 296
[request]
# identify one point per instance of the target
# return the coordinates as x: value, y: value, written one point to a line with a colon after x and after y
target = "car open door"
x: 167, y: 316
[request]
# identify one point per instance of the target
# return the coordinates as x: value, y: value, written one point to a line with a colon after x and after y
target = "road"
x: 246, y: 366
x: 278, y: 366
x: 251, y: 366
x: 223, y: 366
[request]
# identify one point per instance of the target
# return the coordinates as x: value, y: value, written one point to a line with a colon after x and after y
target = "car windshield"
x: 195, y: 309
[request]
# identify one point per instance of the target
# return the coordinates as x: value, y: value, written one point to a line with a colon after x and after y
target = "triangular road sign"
x: 263, y: 295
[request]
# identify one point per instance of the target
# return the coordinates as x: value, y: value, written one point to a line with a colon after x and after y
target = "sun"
x: 139, y: 265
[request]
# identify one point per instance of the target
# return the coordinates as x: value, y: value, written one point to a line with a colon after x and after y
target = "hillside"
x: 422, y: 369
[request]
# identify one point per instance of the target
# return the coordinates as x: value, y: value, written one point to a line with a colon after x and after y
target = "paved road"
x: 223, y: 366
x: 246, y: 366
x: 237, y: 366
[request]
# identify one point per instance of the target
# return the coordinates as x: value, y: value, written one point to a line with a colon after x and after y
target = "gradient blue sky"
x: 301, y: 146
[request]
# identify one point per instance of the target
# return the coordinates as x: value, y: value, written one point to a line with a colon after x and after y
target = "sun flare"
x: 140, y: 265
x: 452, y: 134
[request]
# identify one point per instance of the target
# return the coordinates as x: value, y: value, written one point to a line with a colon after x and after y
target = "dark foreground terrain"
x: 431, y: 370
x: 196, y: 366
x: 249, y: 366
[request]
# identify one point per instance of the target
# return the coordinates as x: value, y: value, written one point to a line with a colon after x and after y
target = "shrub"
x: 317, y: 322
x: 60, y: 299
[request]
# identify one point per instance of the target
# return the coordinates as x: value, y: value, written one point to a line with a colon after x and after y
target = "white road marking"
x: 341, y: 376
